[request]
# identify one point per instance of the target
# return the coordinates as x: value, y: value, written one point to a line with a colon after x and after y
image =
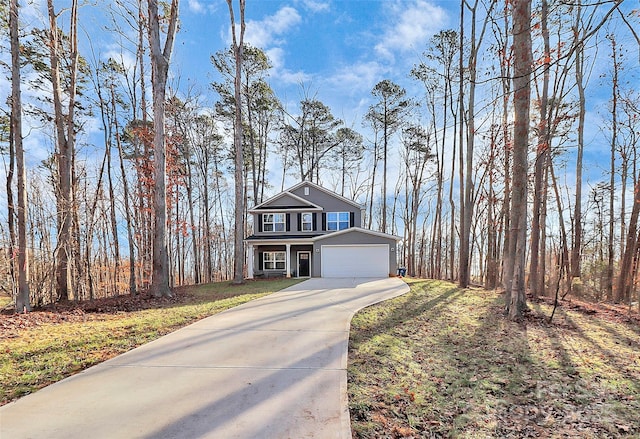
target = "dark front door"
x: 304, y: 268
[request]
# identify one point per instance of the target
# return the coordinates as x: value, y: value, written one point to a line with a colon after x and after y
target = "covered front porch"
x: 271, y: 259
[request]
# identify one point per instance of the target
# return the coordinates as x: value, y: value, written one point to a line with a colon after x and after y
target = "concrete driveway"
x: 271, y: 368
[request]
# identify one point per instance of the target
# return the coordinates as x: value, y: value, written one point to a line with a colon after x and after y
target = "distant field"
x: 443, y: 362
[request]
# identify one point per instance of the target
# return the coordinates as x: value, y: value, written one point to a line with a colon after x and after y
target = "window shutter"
x: 260, y: 225
x: 260, y: 261
x: 324, y: 221
x: 288, y: 220
x: 299, y: 222
x: 315, y: 222
x: 352, y: 219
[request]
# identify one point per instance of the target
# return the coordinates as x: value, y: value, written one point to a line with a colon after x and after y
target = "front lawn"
x: 443, y: 362
x: 47, y: 345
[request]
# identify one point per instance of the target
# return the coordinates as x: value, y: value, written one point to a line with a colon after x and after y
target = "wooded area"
x: 482, y: 174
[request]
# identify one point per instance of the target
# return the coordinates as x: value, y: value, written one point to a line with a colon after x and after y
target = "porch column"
x: 288, y: 259
x: 249, y: 261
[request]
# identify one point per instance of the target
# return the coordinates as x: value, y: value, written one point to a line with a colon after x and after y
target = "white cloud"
x: 412, y: 24
x: 289, y: 77
x: 316, y: 5
x: 195, y: 6
x: 265, y: 33
x: 201, y: 7
x: 124, y: 58
x: 357, y: 78
x: 276, y: 56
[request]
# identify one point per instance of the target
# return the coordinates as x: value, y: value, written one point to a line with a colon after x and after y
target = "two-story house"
x: 310, y: 231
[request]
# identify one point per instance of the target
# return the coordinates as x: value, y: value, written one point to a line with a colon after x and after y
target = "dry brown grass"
x: 443, y: 362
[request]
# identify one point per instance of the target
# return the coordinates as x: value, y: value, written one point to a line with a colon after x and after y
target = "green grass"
x: 35, y: 356
x: 5, y: 301
x: 443, y: 362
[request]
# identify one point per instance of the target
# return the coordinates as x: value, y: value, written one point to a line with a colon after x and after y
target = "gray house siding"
x: 259, y: 250
x: 310, y: 198
x: 329, y: 202
x: 354, y: 238
x: 293, y: 208
x: 293, y: 225
x: 285, y: 200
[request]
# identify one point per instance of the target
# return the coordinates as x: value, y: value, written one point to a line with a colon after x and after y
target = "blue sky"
x: 339, y: 49
x: 336, y: 49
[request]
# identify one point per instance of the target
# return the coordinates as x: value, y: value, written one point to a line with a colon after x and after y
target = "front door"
x: 304, y: 266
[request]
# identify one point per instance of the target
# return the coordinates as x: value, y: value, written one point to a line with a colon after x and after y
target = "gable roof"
x: 326, y: 191
x: 356, y: 229
x: 304, y: 204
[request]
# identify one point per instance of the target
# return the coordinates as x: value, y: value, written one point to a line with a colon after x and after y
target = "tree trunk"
x: 113, y: 222
x: 542, y: 155
x: 507, y: 268
x: 576, y: 249
x: 373, y: 182
x: 612, y: 170
x: 625, y: 279
x: 461, y: 139
x: 238, y: 43
x: 160, y: 59
x: 125, y: 188
x: 22, y: 302
x: 516, y: 299
x: 65, y: 138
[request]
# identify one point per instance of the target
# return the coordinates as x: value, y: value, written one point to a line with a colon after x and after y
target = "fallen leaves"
x: 467, y: 372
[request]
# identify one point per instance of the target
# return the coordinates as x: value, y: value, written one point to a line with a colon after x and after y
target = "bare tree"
x: 515, y: 293
x: 238, y: 45
x: 612, y: 169
x: 389, y: 111
x: 466, y: 212
x: 417, y: 156
x: 160, y: 58
x: 536, y: 276
x: 22, y: 302
x: 65, y: 139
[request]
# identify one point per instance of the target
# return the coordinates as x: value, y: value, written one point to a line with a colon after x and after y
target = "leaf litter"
x: 452, y: 366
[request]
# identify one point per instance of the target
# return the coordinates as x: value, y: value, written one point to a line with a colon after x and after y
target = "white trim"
x: 302, y: 222
x: 298, y: 253
x: 275, y: 260
x: 273, y: 223
x: 311, y: 240
x: 354, y: 262
x: 308, y: 205
x: 337, y: 221
x: 288, y: 259
x: 250, y: 261
x: 293, y: 241
x: 356, y: 229
x: 326, y: 191
x: 277, y: 209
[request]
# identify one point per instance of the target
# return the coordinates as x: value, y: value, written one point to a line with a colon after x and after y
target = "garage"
x: 366, y: 260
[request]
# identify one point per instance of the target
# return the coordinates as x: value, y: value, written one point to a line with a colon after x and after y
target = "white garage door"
x: 355, y: 260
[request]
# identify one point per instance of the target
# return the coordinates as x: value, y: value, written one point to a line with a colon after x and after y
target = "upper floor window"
x: 306, y: 222
x: 337, y: 221
x: 273, y: 222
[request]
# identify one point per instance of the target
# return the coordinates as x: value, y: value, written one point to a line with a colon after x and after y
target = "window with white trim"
x: 337, y: 221
x: 307, y: 222
x: 274, y: 261
x: 273, y: 222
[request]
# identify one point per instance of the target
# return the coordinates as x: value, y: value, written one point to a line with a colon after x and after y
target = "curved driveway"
x: 273, y: 368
